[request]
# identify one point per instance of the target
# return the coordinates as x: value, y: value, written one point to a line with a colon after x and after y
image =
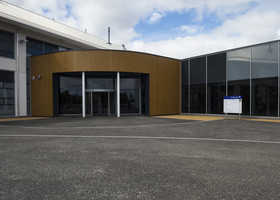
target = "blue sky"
x: 177, y: 28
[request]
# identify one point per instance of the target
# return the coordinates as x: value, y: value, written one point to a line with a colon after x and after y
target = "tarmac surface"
x: 139, y: 157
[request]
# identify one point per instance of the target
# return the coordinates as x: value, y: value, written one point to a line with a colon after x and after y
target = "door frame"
x: 91, y: 91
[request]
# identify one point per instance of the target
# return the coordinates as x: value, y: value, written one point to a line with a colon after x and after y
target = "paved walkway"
x: 211, y: 118
x: 20, y: 118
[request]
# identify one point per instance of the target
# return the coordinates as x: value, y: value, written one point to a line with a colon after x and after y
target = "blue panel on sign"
x: 232, y: 97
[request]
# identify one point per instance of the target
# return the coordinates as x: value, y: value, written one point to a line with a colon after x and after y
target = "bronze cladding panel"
x: 164, y: 76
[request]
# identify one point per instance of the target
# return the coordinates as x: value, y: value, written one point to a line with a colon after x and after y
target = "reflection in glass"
x: 185, y: 86
x: 215, y: 98
x: 216, y: 83
x: 198, y: 98
x: 265, y: 79
x: 238, y: 76
x: 100, y: 83
x: 198, y: 85
x: 129, y: 95
x: 70, y: 95
x: 6, y: 44
x: 238, y: 64
x: 241, y: 87
x: 265, y: 97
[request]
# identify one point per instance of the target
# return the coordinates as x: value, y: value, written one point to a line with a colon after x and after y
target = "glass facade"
x: 100, y: 93
x: 265, y: 79
x: 70, y: 94
x: 198, y: 85
x: 129, y: 93
x: 7, y: 44
x: 252, y: 72
x: 238, y: 76
x: 7, y: 93
x: 185, y: 86
x: 216, y: 83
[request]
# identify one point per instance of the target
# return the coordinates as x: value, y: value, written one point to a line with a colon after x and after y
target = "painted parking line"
x: 145, y: 138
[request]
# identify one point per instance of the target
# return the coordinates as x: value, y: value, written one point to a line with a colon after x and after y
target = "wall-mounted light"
x: 36, y: 77
x: 23, y: 41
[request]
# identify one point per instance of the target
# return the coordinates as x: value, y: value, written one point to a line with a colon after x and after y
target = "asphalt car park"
x: 139, y: 157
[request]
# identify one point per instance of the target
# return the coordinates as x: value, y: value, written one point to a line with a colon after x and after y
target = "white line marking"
x: 146, y: 137
x: 104, y: 127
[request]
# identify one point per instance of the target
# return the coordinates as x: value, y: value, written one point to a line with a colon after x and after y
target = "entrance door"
x: 99, y: 103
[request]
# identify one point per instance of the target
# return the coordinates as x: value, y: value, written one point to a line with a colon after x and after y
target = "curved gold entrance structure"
x: 164, y: 76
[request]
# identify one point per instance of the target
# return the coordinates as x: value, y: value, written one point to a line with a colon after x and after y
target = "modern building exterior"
x: 50, y: 69
x: 252, y: 72
x: 104, y: 82
x: 23, y: 34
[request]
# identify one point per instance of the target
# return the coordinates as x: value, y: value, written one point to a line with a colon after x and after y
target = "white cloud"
x: 155, y: 18
x: 250, y: 28
x: 190, y: 30
x: 244, y: 22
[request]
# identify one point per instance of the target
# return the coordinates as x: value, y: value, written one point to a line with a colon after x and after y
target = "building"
x: 50, y: 69
x: 23, y: 34
x: 252, y: 72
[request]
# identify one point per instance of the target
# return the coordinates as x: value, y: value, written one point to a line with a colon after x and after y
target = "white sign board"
x: 233, y: 104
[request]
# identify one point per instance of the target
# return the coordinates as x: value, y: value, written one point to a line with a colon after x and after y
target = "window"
x: 198, y: 85
x: 216, y: 83
x: 129, y: 93
x: 185, y: 86
x: 238, y: 76
x: 265, y: 79
x: 70, y: 94
x: 7, y: 93
x: 7, y: 44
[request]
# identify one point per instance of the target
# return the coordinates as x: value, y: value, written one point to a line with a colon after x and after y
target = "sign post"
x: 233, y: 104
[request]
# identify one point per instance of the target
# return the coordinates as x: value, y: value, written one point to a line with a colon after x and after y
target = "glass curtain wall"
x: 238, y: 76
x: 216, y: 83
x: 70, y: 94
x: 198, y: 85
x: 129, y: 93
x: 265, y: 79
x: 185, y: 86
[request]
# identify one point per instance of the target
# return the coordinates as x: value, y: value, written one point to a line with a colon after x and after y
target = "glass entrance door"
x: 100, y: 103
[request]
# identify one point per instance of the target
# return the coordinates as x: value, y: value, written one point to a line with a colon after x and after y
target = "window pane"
x: 7, y: 93
x: 241, y: 87
x: 34, y: 47
x: 265, y: 79
x: 50, y: 48
x: 198, y: 70
x: 215, y: 98
x: 265, y: 96
x: 6, y: 44
x: 129, y: 89
x: 198, y: 98
x: 216, y: 68
x: 70, y: 94
x: 100, y: 83
x: 238, y: 64
x: 185, y: 86
x: 265, y: 60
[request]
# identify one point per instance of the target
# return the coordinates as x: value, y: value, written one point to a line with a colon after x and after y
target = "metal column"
x: 84, y: 94
x: 118, y: 95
